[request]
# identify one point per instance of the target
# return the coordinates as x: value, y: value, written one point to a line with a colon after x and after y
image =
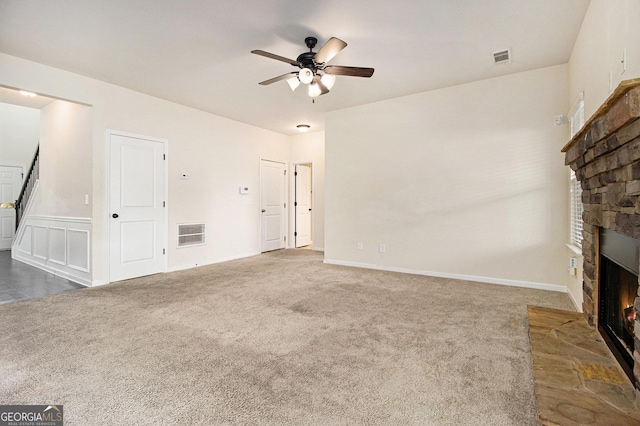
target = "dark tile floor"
x: 20, y: 282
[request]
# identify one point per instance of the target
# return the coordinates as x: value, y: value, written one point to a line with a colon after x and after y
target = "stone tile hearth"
x: 577, y: 379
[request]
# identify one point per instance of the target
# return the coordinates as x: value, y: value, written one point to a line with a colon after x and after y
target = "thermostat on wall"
x: 244, y: 190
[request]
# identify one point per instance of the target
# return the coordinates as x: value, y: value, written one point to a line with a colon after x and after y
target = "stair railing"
x: 25, y: 193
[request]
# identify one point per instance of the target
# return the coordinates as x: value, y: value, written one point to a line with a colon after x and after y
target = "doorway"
x: 137, y: 200
x: 273, y: 205
x: 303, y: 205
x: 10, y: 185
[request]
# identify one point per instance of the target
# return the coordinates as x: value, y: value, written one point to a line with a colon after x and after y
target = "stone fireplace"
x: 605, y: 155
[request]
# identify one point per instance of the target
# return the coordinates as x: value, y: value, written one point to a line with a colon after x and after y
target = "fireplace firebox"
x: 619, y: 264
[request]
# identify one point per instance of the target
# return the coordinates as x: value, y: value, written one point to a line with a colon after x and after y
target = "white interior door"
x: 272, y: 202
x: 303, y: 205
x: 10, y: 185
x: 137, y: 213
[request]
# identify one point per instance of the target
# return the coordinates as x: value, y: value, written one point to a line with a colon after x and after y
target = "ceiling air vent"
x: 502, y: 57
x: 190, y: 234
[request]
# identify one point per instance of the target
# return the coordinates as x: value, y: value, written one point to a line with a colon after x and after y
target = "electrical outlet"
x: 382, y: 248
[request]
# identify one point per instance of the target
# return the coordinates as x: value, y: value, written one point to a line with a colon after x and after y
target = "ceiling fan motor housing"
x: 311, y: 42
x: 306, y: 59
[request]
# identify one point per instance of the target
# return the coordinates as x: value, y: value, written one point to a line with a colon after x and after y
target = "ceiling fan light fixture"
x: 305, y: 75
x: 328, y: 80
x: 314, y: 90
x: 303, y: 127
x: 293, y: 83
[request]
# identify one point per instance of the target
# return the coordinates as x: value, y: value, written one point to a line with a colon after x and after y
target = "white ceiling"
x: 196, y: 52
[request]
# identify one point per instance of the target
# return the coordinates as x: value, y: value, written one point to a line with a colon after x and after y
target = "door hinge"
x: 295, y: 173
x: 295, y: 204
x: 164, y: 156
x: 163, y: 251
x: 285, y: 238
x: 164, y: 204
x: 285, y: 205
x: 295, y: 234
x: 285, y: 172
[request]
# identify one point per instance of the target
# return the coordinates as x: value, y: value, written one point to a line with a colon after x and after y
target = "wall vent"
x: 191, y: 234
x: 502, y: 57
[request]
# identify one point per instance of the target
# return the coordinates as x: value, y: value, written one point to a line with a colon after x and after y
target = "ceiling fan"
x: 314, y: 70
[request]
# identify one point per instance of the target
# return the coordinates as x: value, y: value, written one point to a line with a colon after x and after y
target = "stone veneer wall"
x: 605, y: 155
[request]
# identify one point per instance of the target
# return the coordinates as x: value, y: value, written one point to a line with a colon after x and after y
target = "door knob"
x: 263, y: 210
x: 115, y: 215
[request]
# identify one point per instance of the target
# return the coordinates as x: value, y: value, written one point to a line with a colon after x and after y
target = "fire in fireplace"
x: 619, y: 264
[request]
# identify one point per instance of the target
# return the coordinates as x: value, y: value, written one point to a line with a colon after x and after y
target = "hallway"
x: 19, y: 281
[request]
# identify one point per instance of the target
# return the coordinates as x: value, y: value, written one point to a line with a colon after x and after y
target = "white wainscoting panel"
x: 60, y: 245
x: 40, y: 241
x: 57, y: 245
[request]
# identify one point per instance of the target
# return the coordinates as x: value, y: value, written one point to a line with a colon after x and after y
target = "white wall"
x: 65, y: 161
x: 309, y: 148
x: 219, y: 154
x: 466, y: 181
x: 19, y: 131
x: 608, y: 28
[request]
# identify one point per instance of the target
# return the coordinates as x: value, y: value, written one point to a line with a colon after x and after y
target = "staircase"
x: 27, y: 187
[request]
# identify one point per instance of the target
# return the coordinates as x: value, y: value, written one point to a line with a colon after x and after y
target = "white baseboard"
x: 212, y: 262
x: 489, y: 280
x: 55, y: 271
x: 577, y: 305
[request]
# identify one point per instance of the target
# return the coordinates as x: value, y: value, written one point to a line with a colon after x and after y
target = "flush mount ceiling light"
x: 314, y: 70
x: 303, y: 127
x: 29, y: 94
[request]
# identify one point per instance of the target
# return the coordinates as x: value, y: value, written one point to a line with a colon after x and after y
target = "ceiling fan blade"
x: 330, y: 49
x: 349, y: 71
x: 323, y: 89
x: 276, y: 57
x: 278, y: 78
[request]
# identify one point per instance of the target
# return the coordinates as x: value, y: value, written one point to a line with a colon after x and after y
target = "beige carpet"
x: 276, y: 339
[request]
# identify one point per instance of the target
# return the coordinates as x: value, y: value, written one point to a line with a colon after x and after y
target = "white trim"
x: 488, y: 280
x: 86, y: 220
x: 57, y: 272
x: 574, y: 248
x: 574, y: 301
x: 219, y: 260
